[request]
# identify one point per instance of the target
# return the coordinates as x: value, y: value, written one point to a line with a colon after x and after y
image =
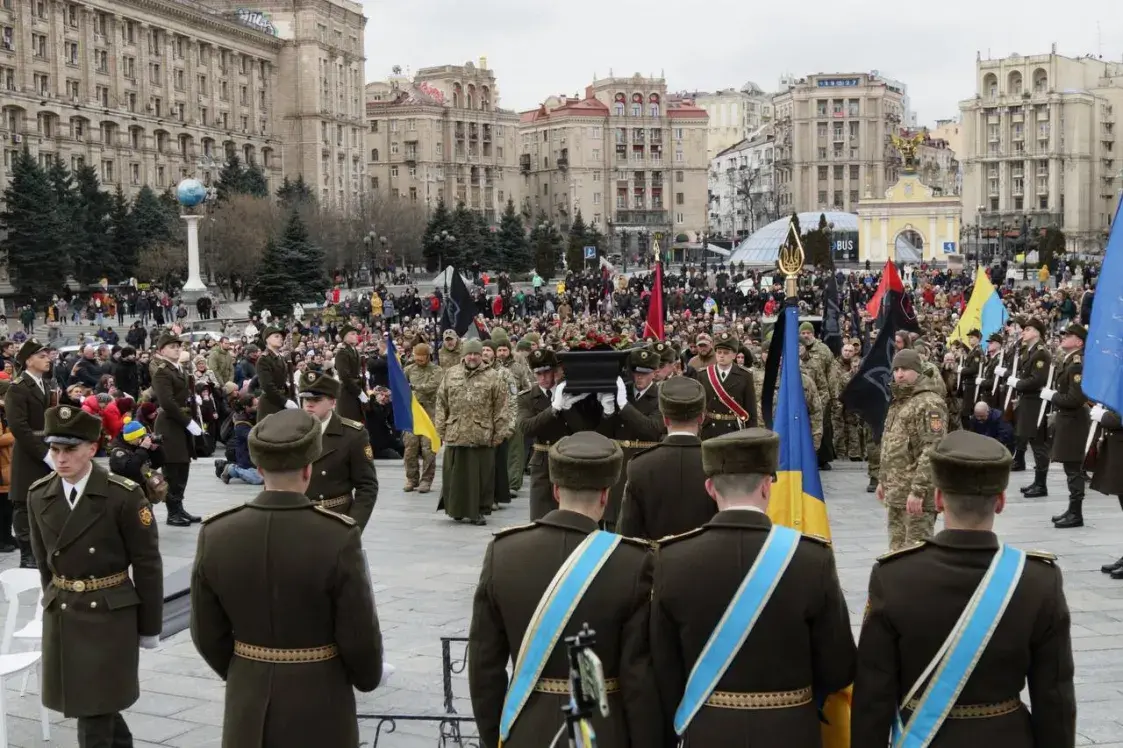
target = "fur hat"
x: 682, y: 399
x: 315, y: 384
x: 751, y: 451
x: 1036, y: 324
x: 585, y: 461
x: 969, y: 464
x: 286, y: 440
x: 66, y: 424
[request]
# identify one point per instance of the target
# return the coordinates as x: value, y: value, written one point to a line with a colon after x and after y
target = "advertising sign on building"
x: 256, y: 19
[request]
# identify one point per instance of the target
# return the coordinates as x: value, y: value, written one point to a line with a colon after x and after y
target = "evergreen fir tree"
x: 151, y: 218
x: 817, y: 245
x: 123, y: 238
x: 91, y: 225
x: 295, y: 192
x: 546, y: 241
x: 575, y: 246
x: 230, y: 179
x: 34, y: 242
x: 274, y: 287
x: 306, y: 262
x: 469, y: 241
x: 594, y: 238
x: 489, y: 243
x: 253, y: 182
x: 66, y: 206
x: 433, y: 249
x: 514, y: 249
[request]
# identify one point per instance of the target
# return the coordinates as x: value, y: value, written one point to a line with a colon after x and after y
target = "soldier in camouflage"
x: 847, y: 425
x: 810, y: 394
x: 914, y: 425
x: 424, y: 378
x: 825, y: 375
x: 452, y: 349
x: 929, y: 369
x: 502, y: 481
x: 950, y: 372
x: 524, y: 379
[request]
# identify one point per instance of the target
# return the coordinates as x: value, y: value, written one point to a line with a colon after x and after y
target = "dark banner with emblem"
x: 832, y: 316
x: 460, y: 310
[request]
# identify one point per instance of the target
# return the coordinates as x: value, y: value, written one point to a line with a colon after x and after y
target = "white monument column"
x: 194, y: 282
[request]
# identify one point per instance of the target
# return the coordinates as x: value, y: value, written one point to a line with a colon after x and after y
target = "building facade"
x: 742, y: 188
x: 938, y: 166
x: 156, y: 91
x: 832, y: 140
x: 735, y: 115
x: 630, y: 157
x: 442, y: 136
x: 1039, y: 145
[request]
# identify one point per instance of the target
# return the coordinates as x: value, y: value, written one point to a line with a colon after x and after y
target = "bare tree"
x: 236, y: 236
x: 163, y: 263
x: 401, y: 221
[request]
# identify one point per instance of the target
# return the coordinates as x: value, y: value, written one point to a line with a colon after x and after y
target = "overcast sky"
x: 543, y: 48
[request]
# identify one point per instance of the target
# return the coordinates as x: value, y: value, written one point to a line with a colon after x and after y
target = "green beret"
x: 1078, y: 330
x: 30, y: 347
x: 1036, y: 324
x: 285, y: 441
x: 316, y: 384
x: 542, y: 360
x: 728, y: 341
x: 681, y: 399
x: 806, y: 327
x: 271, y: 330
x: 167, y: 337
x: 473, y: 346
x: 66, y: 424
x: 523, y: 345
x: 908, y: 359
x: 751, y: 451
x: 585, y: 461
x: 643, y: 361
x: 965, y: 463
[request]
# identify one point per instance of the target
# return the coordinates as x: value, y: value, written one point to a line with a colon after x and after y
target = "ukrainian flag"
x: 797, y: 496
x: 408, y: 413
x: 985, y: 311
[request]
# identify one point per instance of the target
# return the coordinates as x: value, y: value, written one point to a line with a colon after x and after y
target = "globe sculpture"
x: 190, y: 193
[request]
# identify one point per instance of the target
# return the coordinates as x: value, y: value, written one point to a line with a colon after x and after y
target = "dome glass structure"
x: 763, y: 247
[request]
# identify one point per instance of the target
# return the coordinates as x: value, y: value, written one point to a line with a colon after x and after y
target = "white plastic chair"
x: 15, y: 582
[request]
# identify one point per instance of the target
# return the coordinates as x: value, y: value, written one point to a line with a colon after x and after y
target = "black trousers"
x: 104, y: 731
x: 176, y: 473
x: 502, y: 482
x: 6, y: 516
x: 1039, y: 445
x: 1074, y: 477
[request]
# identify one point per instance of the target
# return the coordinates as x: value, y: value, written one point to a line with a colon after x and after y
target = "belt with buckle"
x: 629, y: 444
x: 542, y: 447
x: 285, y: 656
x: 760, y: 700
x: 977, y: 711
x: 338, y: 501
x: 711, y: 416
x: 561, y: 686
x: 92, y: 584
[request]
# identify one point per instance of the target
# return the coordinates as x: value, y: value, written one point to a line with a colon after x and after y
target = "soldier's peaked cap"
x: 271, y: 330
x: 542, y: 360
x: 969, y: 464
x: 30, y: 347
x: 1036, y: 324
x: 749, y: 451
x: 286, y: 441
x: 66, y: 424
x: 682, y: 399
x: 1078, y: 330
x: 317, y: 384
x: 585, y: 461
x: 728, y: 341
x: 643, y: 361
x: 167, y: 337
x: 974, y: 333
x: 996, y: 337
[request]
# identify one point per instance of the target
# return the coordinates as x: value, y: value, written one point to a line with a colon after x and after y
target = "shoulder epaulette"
x: 41, y: 481
x: 1076, y: 359
x: 223, y: 513
x: 18, y: 379
x: 1045, y: 556
x: 681, y: 536
x: 898, y: 553
x: 816, y: 539
x: 353, y: 424
x: 350, y: 522
x: 121, y: 480
x: 161, y: 365
x: 512, y: 530
x: 525, y: 392
x: 639, y: 542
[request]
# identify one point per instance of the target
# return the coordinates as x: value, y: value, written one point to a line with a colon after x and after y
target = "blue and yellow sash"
x: 739, y: 618
x: 550, y: 618
x: 960, y: 653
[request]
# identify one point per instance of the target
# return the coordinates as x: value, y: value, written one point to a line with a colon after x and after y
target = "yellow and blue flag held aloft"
x: 798, y: 500
x: 984, y: 312
x: 1103, y: 350
x: 408, y: 413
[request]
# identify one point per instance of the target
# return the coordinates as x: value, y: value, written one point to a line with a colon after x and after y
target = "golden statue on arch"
x: 907, y: 146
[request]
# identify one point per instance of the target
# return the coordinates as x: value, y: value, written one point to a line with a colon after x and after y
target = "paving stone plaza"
x: 424, y: 569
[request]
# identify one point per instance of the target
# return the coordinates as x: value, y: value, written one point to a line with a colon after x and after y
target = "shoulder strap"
x: 738, y: 620
x: 554, y: 610
x: 726, y: 399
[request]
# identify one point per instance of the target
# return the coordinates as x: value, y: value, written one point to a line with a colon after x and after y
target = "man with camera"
x: 136, y: 454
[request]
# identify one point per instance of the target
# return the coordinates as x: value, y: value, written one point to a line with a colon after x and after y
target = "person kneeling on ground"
x: 242, y: 467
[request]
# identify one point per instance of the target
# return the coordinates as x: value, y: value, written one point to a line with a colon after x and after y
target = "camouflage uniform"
x: 471, y: 419
x: 915, y: 423
x: 810, y: 394
x: 846, y: 424
x: 931, y: 371
x: 424, y: 381
x: 812, y: 366
x: 448, y: 359
x: 502, y: 453
x: 952, y: 399
x: 516, y: 446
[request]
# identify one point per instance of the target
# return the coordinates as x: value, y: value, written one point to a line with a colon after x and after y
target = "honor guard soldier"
x: 349, y: 369
x: 665, y: 491
x: 971, y: 369
x: 749, y: 627
x: 539, y: 584
x: 88, y: 527
x: 292, y: 634
x: 175, y: 424
x: 274, y: 377
x: 632, y: 420
x: 988, y: 393
x: 667, y: 357
x: 1031, y: 377
x: 1070, y: 423
x: 730, y: 396
x: 965, y: 622
x: 343, y: 477
x: 25, y: 407
x: 546, y: 414
x: 1107, y: 473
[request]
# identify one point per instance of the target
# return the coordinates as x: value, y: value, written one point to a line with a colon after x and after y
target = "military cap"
x: 449, y: 334
x: 665, y: 352
x: 975, y: 333
x: 728, y: 341
x: 473, y: 346
x: 1036, y: 324
x: 643, y: 361
x: 533, y: 337
x: 908, y: 359
x: 965, y: 463
x: 499, y: 332
x: 703, y: 338
x: 316, y: 384
x: 682, y: 399
x: 996, y: 337
x: 489, y: 344
x: 542, y: 360
x: 271, y: 330
x: 752, y: 451
x: 1078, y: 330
x: 1017, y: 319
x: 30, y: 347
x: 346, y: 329
x: 523, y: 345
x: 501, y: 341
x: 167, y: 337
x: 287, y: 440
x: 585, y: 461
x: 66, y: 424
x: 806, y: 327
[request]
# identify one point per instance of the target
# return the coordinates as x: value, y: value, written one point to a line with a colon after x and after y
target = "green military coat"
x: 636, y: 427
x: 348, y: 367
x: 274, y: 379
x: 540, y: 423
x: 346, y: 469
x: 176, y: 398
x: 25, y: 405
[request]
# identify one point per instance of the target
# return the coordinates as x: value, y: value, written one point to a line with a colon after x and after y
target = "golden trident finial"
x: 790, y: 259
x: 655, y: 248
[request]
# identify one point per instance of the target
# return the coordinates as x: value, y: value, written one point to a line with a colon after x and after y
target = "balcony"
x: 563, y: 162
x: 656, y: 136
x: 524, y: 163
x: 487, y: 133
x: 637, y: 137
x: 459, y: 131
x: 641, y: 217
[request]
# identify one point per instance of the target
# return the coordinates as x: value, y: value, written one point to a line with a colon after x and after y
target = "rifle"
x: 1010, y: 390
x: 994, y: 387
x: 1048, y: 385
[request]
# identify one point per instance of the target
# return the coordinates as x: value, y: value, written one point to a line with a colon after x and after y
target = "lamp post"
x: 544, y: 229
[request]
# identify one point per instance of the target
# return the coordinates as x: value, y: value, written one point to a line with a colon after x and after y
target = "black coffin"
x: 592, y: 371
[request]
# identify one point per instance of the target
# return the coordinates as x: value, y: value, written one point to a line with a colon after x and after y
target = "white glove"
x: 1097, y: 413
x: 558, y: 403
x: 1012, y: 381
x: 1000, y: 371
x: 199, y: 399
x: 607, y: 403
x: 290, y: 405
x: 194, y: 429
x: 49, y: 460
x: 149, y: 642
x: 978, y: 380
x: 569, y: 400
x: 1047, y: 394
x: 621, y: 393
x: 387, y: 671
x: 363, y: 398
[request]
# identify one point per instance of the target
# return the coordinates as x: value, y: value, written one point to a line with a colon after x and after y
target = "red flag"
x: 890, y: 281
x: 653, y: 328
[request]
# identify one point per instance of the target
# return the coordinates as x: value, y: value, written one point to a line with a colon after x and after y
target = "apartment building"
x: 938, y: 166
x: 735, y: 114
x: 152, y: 93
x: 441, y: 135
x: 742, y: 187
x: 832, y: 140
x: 1039, y: 144
x: 629, y: 156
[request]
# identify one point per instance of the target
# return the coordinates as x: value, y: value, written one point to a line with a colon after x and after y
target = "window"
x: 134, y: 173
x: 822, y: 197
x: 374, y: 125
x: 71, y: 53
x: 154, y: 73
x: 680, y: 176
x: 596, y: 198
x: 39, y: 45
x: 158, y: 106
x: 853, y: 197
x: 596, y: 154
x: 223, y: 91
x: 374, y: 155
x: 245, y: 65
x: 413, y: 172
x: 179, y: 77
x: 394, y: 148
x: 130, y: 101
x: 72, y: 16
x: 107, y: 171
x: 128, y: 32
x: 393, y: 125
x: 838, y: 171
x: 73, y: 89
x: 101, y: 93
x: 680, y: 218
x: 680, y: 199
x: 822, y: 173
x: 394, y: 172
x: 439, y: 149
x: 224, y: 119
x: 679, y: 157
x: 374, y: 183
x: 7, y: 40
x: 244, y: 95
x: 129, y: 64
x: 413, y: 194
x: 678, y: 133
x: 161, y: 177
x: 412, y: 125
x: 854, y: 173
x: 203, y: 89
x: 596, y: 176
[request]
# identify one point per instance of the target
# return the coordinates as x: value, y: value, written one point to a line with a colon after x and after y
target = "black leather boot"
x: 1019, y: 461
x: 1037, y: 489
x: 1074, y: 517
x: 26, y: 557
x: 1109, y: 568
x: 872, y: 485
x: 176, y: 516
